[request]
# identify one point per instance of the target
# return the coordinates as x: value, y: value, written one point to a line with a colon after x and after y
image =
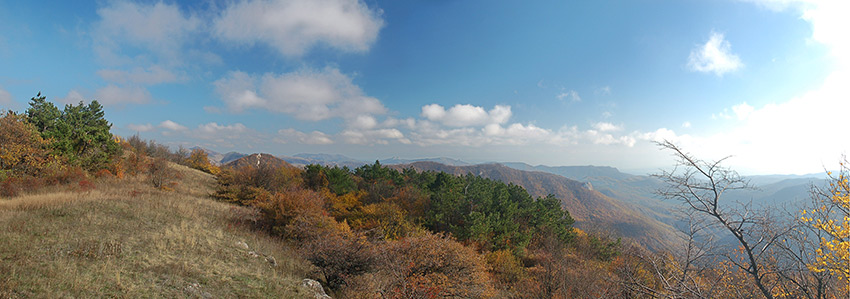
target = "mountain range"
x: 600, y: 198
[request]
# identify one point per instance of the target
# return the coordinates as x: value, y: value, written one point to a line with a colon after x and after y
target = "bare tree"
x: 680, y: 273
x: 701, y: 185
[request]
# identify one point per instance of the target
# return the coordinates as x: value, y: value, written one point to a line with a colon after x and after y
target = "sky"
x: 542, y: 82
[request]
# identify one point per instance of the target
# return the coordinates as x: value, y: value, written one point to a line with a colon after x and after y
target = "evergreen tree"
x: 80, y: 133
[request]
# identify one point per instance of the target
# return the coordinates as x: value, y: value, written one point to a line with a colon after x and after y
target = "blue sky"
x: 541, y: 82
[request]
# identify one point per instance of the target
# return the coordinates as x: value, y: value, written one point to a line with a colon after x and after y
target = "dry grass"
x: 127, y: 239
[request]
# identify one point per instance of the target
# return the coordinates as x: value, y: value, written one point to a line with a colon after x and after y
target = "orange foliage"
x: 432, y: 266
x: 23, y: 151
x: 279, y: 209
x: 199, y: 160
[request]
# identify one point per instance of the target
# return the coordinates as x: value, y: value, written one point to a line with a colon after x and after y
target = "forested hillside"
x: 591, y: 209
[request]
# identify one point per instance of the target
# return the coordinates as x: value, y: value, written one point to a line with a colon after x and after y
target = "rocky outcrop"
x: 314, y: 289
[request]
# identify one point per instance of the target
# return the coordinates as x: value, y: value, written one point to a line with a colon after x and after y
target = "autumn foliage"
x: 198, y: 160
x: 830, y: 217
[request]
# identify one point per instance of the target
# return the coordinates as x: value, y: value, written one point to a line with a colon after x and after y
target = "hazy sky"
x: 542, y: 82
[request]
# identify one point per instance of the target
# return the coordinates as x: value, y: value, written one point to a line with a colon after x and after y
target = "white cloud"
x: 797, y: 135
x: 364, y: 122
x: 428, y: 133
x: 228, y: 136
x: 686, y: 124
x: 73, y: 97
x: 151, y: 75
x: 294, y: 26
x: 407, y: 123
x: 307, y: 94
x: 571, y: 95
x: 215, y: 129
x: 315, y: 137
x: 378, y: 136
x: 141, y: 127
x: 6, y: 101
x: 171, y: 126
x: 159, y: 27
x: 742, y: 110
x: 603, y: 91
x: 714, y: 56
x: 113, y: 95
x: 606, y: 127
x: 466, y: 115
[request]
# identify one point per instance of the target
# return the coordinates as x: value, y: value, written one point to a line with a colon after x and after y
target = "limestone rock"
x: 314, y: 288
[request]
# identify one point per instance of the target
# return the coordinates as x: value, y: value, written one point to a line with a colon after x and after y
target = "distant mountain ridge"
x: 771, y: 190
x: 258, y: 160
x: 217, y: 158
x: 441, y: 160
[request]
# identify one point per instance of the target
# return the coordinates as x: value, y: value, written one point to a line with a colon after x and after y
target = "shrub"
x: 431, y: 266
x: 339, y: 254
x: 279, y: 209
x: 85, y: 185
x: 23, y: 151
x: 103, y: 173
x: 505, y: 266
x: 8, y: 188
x: 160, y: 174
x: 199, y: 160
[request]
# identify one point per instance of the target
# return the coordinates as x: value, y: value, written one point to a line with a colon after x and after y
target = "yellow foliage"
x: 832, y: 219
x: 579, y: 233
x: 199, y: 160
x: 23, y: 151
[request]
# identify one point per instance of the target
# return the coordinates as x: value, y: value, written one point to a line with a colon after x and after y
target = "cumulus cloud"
x: 315, y: 137
x: 158, y: 27
x: 294, y: 26
x: 796, y: 135
x: 742, y: 110
x: 828, y: 20
x: 571, y: 95
x: 73, y: 97
x: 113, y: 95
x: 376, y: 136
x: 600, y: 137
x: 148, y: 76
x: 140, y: 127
x: 142, y: 44
x: 466, y: 115
x: 171, y: 126
x: 714, y: 56
x: 215, y: 129
x: 6, y: 101
x: 606, y: 127
x: 307, y: 94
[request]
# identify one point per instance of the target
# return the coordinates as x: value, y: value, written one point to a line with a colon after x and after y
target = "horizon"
x: 559, y: 84
x: 636, y: 172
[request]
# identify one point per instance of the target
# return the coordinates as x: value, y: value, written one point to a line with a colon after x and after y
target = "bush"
x: 505, y: 266
x: 278, y: 210
x: 339, y: 254
x: 23, y: 151
x: 160, y: 174
x: 198, y: 160
x: 427, y: 266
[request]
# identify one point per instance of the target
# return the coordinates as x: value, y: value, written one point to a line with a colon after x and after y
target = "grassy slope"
x: 126, y: 239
